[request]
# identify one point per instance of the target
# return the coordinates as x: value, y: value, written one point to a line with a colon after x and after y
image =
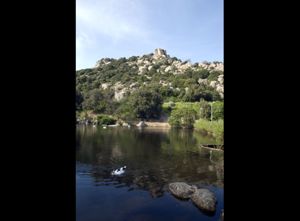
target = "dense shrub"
x: 144, y: 99
x: 218, y: 110
x: 183, y: 117
x: 214, y: 127
x: 146, y: 104
x: 106, y: 119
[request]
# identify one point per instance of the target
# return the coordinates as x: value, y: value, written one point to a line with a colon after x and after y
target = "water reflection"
x: 153, y: 158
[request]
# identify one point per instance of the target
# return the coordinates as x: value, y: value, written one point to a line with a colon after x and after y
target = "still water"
x: 154, y: 158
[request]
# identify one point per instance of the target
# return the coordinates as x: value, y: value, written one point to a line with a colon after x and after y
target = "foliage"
x: 106, y: 119
x: 150, y: 89
x: 124, y: 111
x: 94, y: 100
x: 218, y: 110
x: 214, y: 127
x: 146, y: 104
x: 183, y: 117
x: 213, y: 76
x: 79, y: 100
x: 205, y: 109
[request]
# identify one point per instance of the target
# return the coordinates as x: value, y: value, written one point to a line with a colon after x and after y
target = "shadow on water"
x: 154, y: 158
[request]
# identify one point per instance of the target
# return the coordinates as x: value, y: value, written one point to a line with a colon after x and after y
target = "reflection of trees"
x: 220, y: 172
x: 204, y: 138
x: 153, y: 158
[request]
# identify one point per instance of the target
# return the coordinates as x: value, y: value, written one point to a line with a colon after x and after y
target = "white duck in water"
x: 119, y: 171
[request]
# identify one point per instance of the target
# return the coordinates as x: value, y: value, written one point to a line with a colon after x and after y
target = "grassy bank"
x: 216, y: 128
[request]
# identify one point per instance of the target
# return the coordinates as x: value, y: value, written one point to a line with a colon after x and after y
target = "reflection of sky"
x: 153, y: 160
x: 112, y: 202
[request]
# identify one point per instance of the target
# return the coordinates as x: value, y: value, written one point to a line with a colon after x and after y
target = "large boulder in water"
x: 204, y: 199
x: 182, y: 190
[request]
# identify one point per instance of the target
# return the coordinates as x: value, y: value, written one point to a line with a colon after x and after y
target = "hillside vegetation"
x: 136, y: 87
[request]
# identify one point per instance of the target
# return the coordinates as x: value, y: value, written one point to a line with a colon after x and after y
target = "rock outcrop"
x: 160, y: 53
x: 143, y: 69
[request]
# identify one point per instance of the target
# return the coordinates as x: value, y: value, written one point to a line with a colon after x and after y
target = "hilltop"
x: 105, y: 87
x: 179, y: 78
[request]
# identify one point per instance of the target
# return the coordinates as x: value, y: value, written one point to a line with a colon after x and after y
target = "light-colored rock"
x: 183, y: 67
x: 133, y: 85
x: 169, y: 68
x: 103, y: 61
x: 219, y: 67
x: 125, y: 124
x: 163, y: 67
x: 141, y: 124
x: 163, y: 83
x: 182, y: 190
x: 120, y: 94
x: 139, y: 61
x: 213, y: 84
x: 142, y: 68
x: 221, y: 78
x: 220, y: 88
x: 159, y: 53
x: 202, y: 81
x: 120, y: 91
x: 204, y: 199
x: 105, y: 85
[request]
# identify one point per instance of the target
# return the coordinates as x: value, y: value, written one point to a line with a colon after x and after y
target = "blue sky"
x: 187, y: 29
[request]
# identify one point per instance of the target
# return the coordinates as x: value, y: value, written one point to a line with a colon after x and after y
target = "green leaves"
x: 146, y: 104
x: 218, y: 110
x: 146, y: 86
x: 183, y: 117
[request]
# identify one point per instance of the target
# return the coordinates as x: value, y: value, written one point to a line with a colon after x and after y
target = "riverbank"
x: 216, y: 128
x: 158, y: 124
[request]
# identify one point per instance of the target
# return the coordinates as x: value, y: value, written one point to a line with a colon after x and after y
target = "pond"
x: 154, y: 158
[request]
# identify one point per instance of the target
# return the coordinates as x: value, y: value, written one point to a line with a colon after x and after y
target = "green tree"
x: 146, y: 103
x: 106, y: 119
x: 94, y: 101
x: 183, y: 117
x: 79, y: 100
x: 205, y: 109
x: 124, y: 111
x: 213, y: 76
x: 218, y: 110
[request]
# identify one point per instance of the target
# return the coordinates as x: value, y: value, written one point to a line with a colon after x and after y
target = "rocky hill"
x: 176, y: 79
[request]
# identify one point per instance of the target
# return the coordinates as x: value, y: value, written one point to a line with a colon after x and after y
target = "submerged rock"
x: 182, y: 190
x: 204, y: 199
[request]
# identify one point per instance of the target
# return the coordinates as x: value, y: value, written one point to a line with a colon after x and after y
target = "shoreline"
x: 158, y: 124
